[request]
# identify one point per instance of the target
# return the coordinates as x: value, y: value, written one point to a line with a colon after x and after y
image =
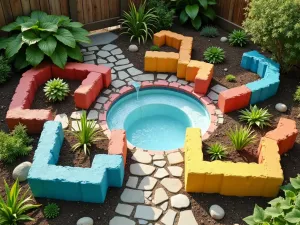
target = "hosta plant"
x: 56, y: 90
x: 240, y: 137
x: 51, y: 211
x: 256, y: 117
x: 41, y: 36
x: 230, y: 78
x: 5, y: 70
x: 139, y: 23
x: 87, y: 134
x: 196, y: 11
x: 214, y: 55
x: 155, y: 48
x: 297, y: 95
x: 216, y: 151
x: 14, y: 206
x: 282, y: 210
x: 238, y: 38
x: 209, y: 31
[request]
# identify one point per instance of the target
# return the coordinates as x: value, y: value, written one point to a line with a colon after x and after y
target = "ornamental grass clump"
x: 238, y: 38
x: 216, y: 151
x: 51, y: 211
x: 56, y: 90
x: 209, y: 31
x: 214, y: 55
x: 256, y: 117
x: 240, y: 137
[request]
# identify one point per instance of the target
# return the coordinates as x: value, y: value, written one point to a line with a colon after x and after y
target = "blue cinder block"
x: 255, y: 88
x: 271, y: 88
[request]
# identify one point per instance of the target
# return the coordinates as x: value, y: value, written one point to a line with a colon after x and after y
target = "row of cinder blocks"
x: 72, y: 183
x: 161, y: 61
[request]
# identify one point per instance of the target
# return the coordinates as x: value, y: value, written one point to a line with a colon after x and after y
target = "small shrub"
x: 51, y: 211
x: 297, y: 95
x: 230, y: 78
x: 154, y: 48
x: 139, y: 24
x: 209, y: 31
x: 238, y: 38
x: 241, y: 137
x: 86, y: 135
x: 256, y: 117
x: 13, y: 209
x: 282, y: 210
x: 15, y: 144
x: 216, y: 151
x: 56, y: 90
x: 214, y: 55
x: 5, y: 70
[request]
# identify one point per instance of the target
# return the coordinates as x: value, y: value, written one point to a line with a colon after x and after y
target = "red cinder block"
x: 68, y: 73
x: 118, y: 144
x: 234, y: 99
x: 41, y: 74
x: 202, y: 85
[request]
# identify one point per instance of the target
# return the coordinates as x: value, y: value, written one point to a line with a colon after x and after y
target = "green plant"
x: 197, y: 11
x: 297, y: 95
x: 13, y: 209
x: 51, y: 211
x: 164, y: 13
x: 241, y: 137
x: 209, y: 31
x: 56, y: 90
x: 217, y: 151
x: 5, y: 70
x: 230, y: 78
x: 282, y: 210
x: 42, y: 35
x: 86, y: 135
x: 139, y: 24
x: 256, y: 116
x: 155, y: 48
x: 14, y: 144
x: 274, y: 26
x: 214, y: 55
x: 238, y: 38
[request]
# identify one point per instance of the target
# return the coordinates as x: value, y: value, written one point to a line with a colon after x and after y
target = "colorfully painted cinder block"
x: 150, y: 61
x: 162, y: 62
x: 176, y: 42
x: 118, y: 144
x: 203, y: 78
x: 192, y: 70
x: 181, y: 68
x: 172, y: 62
x: 159, y: 39
x: 186, y: 44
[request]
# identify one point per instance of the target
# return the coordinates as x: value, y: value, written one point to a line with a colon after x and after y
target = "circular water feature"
x: 158, y: 118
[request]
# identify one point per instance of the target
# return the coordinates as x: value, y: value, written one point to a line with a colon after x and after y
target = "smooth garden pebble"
x: 85, y: 221
x: 21, y: 171
x: 280, y: 107
x: 216, y: 212
x: 225, y: 69
x: 223, y: 39
x: 133, y: 48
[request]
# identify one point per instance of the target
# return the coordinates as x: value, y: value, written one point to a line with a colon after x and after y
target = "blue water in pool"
x: 158, y: 119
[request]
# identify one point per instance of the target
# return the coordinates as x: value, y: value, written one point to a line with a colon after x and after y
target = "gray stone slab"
x: 160, y: 196
x: 213, y: 96
x: 132, y: 196
x: 142, y: 157
x: 93, y: 48
x: 172, y: 184
x: 90, y: 62
x: 88, y: 53
x: 118, y: 68
x: 107, y: 92
x: 98, y: 106
x: 147, y: 183
x: 109, y: 47
x: 111, y: 59
x: 182, y: 81
x: 92, y: 115
x: 113, y: 76
x: 119, y: 220
x: 103, y: 54
x: 219, y: 88
x: 132, y: 182
x: 169, y: 217
x: 102, y: 99
x: 110, y: 65
x: 134, y: 71
x: 118, y: 83
x: 172, y: 78
x: 122, y: 62
x: 89, y: 57
x: 187, y: 217
x: 162, y: 76
x: 124, y: 209
x: 120, y: 56
x: 101, y: 61
x: 144, y: 77
x: 101, y: 39
x: 140, y: 169
x: 161, y: 173
x: 83, y: 50
x: 123, y: 75
x: 117, y: 51
x: 147, y: 213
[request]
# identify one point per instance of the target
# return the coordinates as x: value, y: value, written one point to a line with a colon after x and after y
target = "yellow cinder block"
x: 172, y: 62
x: 272, y: 186
x: 176, y: 41
x: 181, y: 68
x: 162, y: 62
x: 150, y: 61
x: 159, y: 38
x: 214, y: 176
x: 169, y: 38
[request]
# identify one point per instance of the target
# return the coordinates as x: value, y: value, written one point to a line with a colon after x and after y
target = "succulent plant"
x: 209, y: 31
x: 238, y: 38
x: 214, y: 55
x: 56, y: 90
x: 51, y: 210
x: 230, y: 78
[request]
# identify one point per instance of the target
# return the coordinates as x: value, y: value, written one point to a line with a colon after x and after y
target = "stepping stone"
x: 169, y: 217
x: 139, y: 169
x: 158, y: 157
x: 107, y: 92
x: 161, y: 173
x: 124, y: 209
x: 147, y: 194
x: 102, y: 100
x: 101, y: 39
x: 63, y: 118
x: 180, y: 201
x: 187, y: 217
x: 83, y: 50
x: 142, y: 157
x: 218, y: 88
x: 123, y: 75
x: 182, y: 82
x: 122, y: 62
x: 132, y: 182
x: 98, y: 106
x: 93, y: 115
x: 119, y: 220
x: 172, y: 184
x: 143, y: 222
x: 133, y: 71
x: 221, y: 120
x: 162, y: 76
x: 101, y: 61
x: 88, y: 53
x: 109, y: 47
x: 89, y: 57
x: 192, y: 84
x: 147, y: 213
x: 213, y: 96
x: 90, y: 62
x: 77, y: 115
x: 164, y: 206
x: 120, y: 56
x: 113, y: 76
x: 160, y: 196
x: 93, y: 48
x: 132, y: 196
x: 117, y: 51
x: 172, y: 79
x: 111, y: 59
x: 118, y: 83
x: 144, y: 77
x: 110, y: 65
x: 159, y: 163
x: 147, y: 183
x: 176, y: 171
x: 118, y: 68
x: 103, y: 54
x: 175, y: 158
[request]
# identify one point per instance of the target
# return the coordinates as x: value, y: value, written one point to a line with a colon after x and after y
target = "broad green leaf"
x: 28, y: 26
x: 4, y: 41
x: 293, y: 216
x: 80, y: 35
x: 203, y: 3
x: 47, y: 26
x: 297, y: 202
x: 197, y: 23
x: 22, y: 19
x: 286, y: 204
x: 48, y: 45
x: 20, y: 61
x: 12, y: 26
x: 295, y: 182
x: 75, y: 53
x: 14, y: 46
x: 288, y: 187
x: 289, y: 194
x: 211, y: 2
x: 60, y: 56
x: 276, y: 201
x: 259, y: 214
x: 38, y: 15
x: 192, y: 10
x: 34, y: 55
x: 183, y: 17
x: 65, y: 37
x: 51, y: 19
x: 75, y: 24
x: 273, y: 212
x: 30, y: 38
x: 210, y: 13
x: 249, y: 220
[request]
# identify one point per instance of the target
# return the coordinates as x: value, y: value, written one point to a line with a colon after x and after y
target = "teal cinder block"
x: 255, y: 88
x: 270, y: 89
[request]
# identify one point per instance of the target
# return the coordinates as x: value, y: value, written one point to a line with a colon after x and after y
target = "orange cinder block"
x: 159, y: 39
x: 192, y: 70
x: 162, y: 62
x: 172, y: 62
x: 150, y: 61
x: 203, y: 78
x: 176, y: 41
